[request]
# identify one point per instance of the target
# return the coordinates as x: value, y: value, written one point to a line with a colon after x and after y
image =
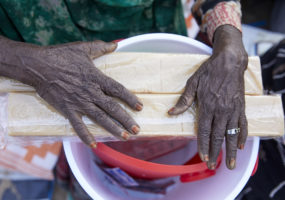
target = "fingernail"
x: 201, y: 156
x: 171, y: 110
x: 125, y: 135
x: 139, y: 106
x: 206, y: 157
x: 140, y: 101
x: 113, y: 44
x: 213, y: 166
x: 241, y: 146
x: 135, y: 129
x: 93, y: 145
x: 232, y: 163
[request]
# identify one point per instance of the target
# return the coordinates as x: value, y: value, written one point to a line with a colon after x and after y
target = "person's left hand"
x: 65, y: 77
x: 218, y: 86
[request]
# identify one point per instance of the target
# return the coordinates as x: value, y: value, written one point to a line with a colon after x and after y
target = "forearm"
x: 12, y: 60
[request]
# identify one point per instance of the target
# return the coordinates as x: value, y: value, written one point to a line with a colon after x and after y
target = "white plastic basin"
x: 226, y: 184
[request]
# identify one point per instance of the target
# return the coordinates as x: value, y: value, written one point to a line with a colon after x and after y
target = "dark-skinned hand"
x: 65, y: 76
x: 218, y: 87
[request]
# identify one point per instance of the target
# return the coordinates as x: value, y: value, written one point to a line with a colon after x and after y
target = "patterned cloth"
x: 214, y: 13
x: 37, y: 160
x: 48, y: 22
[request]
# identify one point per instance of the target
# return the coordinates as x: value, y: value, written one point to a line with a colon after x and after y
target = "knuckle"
x: 224, y: 108
x: 113, y: 87
x: 118, y: 89
x: 232, y: 142
x: 183, y: 101
x: 98, y: 115
x: 77, y: 125
x: 243, y: 119
x: 232, y: 152
x: 244, y: 60
x: 128, y: 121
x: 203, y: 144
x: 243, y: 135
x: 217, y: 139
x: 243, y: 122
x: 203, y: 131
x: 111, y: 106
x: 232, y: 139
x: 232, y: 125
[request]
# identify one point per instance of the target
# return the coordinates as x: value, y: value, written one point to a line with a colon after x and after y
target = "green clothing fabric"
x: 48, y: 22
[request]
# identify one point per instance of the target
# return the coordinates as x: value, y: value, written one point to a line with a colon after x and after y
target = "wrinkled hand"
x: 66, y: 78
x: 218, y: 86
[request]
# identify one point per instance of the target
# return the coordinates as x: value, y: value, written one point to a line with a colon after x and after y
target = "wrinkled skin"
x: 66, y: 78
x: 218, y: 87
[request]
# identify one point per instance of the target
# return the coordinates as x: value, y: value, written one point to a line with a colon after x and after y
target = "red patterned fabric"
x: 223, y: 13
x: 212, y: 14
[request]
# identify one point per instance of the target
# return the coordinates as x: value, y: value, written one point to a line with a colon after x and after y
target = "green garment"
x: 48, y: 22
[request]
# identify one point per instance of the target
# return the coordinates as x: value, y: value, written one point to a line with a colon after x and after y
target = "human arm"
x: 218, y: 87
x: 66, y: 78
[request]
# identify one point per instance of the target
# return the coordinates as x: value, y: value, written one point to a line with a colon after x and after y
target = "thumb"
x: 189, y: 94
x: 98, y: 48
x: 187, y: 98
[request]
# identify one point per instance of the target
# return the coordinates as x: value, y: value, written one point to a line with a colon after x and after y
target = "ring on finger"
x: 233, y: 131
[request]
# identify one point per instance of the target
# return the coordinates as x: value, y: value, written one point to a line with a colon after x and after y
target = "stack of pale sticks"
x: 158, y: 79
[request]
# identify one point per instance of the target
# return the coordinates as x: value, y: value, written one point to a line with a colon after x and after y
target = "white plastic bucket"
x: 226, y: 184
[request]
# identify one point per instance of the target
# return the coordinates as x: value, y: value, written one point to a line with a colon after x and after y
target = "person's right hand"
x: 218, y: 88
x: 66, y: 78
